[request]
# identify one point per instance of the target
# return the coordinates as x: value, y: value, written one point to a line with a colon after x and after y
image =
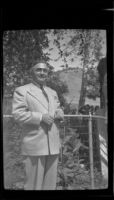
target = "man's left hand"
x: 59, y: 114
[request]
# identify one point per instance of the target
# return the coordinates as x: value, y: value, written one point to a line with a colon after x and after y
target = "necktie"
x: 45, y: 94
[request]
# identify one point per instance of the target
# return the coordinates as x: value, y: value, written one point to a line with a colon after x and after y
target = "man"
x: 37, y: 108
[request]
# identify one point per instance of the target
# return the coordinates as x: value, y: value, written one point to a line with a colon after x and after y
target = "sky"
x: 53, y: 50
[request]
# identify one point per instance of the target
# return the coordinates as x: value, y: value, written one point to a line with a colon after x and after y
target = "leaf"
x: 77, y: 147
x: 71, y: 165
x: 67, y: 138
x: 19, y: 185
x: 70, y: 187
x: 50, y: 49
x: 59, y: 187
x: 84, y: 146
x: 81, y: 160
x: 71, y: 174
x: 67, y: 170
x: 65, y: 150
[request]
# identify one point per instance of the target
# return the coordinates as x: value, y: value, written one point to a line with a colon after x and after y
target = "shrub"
x: 13, y: 165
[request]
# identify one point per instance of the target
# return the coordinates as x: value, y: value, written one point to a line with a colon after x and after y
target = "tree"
x: 93, y: 83
x: 102, y: 70
x: 84, y: 51
x: 20, y: 49
x: 90, y: 45
x: 85, y: 45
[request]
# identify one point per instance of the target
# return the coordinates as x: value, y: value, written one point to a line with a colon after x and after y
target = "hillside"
x: 73, y: 79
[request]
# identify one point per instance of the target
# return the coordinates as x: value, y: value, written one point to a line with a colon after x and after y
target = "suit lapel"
x: 36, y: 93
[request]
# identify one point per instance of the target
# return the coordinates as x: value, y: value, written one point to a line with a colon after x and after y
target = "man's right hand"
x: 46, y: 118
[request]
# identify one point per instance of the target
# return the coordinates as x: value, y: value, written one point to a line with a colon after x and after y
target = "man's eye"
x: 45, y: 70
x: 39, y: 70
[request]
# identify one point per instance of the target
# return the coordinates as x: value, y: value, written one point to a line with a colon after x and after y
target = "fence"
x: 94, y: 128
x: 91, y: 143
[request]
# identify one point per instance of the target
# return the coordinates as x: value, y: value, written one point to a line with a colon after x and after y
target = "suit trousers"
x: 41, y: 172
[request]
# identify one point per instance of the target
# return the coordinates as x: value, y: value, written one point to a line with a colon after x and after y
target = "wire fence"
x: 83, y: 144
x: 92, y: 146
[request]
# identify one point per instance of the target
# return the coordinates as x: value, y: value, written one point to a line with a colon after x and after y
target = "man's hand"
x: 46, y: 118
x: 59, y: 114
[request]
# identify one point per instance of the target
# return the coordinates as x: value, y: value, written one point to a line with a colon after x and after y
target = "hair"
x: 37, y: 61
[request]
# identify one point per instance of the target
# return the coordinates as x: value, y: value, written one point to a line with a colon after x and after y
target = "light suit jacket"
x: 29, y: 103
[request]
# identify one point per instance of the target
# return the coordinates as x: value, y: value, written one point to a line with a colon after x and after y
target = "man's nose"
x: 42, y: 71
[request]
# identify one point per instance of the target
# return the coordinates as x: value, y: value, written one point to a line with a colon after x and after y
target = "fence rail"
x: 84, y: 116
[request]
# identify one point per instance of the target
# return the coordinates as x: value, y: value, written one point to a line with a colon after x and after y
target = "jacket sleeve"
x: 20, y: 110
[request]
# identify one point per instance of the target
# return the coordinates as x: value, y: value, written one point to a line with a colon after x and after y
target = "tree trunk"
x: 86, y: 43
x: 102, y: 98
x: 82, y: 92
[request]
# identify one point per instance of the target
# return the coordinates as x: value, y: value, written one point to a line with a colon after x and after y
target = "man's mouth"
x: 42, y: 77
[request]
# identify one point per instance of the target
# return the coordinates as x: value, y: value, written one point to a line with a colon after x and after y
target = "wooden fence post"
x: 91, y: 152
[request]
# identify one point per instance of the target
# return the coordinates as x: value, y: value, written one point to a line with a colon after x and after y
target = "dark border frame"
x: 88, y: 17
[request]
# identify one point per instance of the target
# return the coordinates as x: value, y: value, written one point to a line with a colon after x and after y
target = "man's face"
x: 39, y: 73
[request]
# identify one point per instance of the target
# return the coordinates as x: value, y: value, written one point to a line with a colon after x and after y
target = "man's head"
x: 39, y: 72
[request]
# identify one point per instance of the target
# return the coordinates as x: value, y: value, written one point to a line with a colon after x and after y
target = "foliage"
x: 90, y: 46
x: 13, y: 161
x: 73, y: 171
x: 20, y: 49
x: 102, y: 69
x: 69, y: 169
x: 85, y: 45
x: 86, y: 109
x: 68, y: 109
x: 93, y: 86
